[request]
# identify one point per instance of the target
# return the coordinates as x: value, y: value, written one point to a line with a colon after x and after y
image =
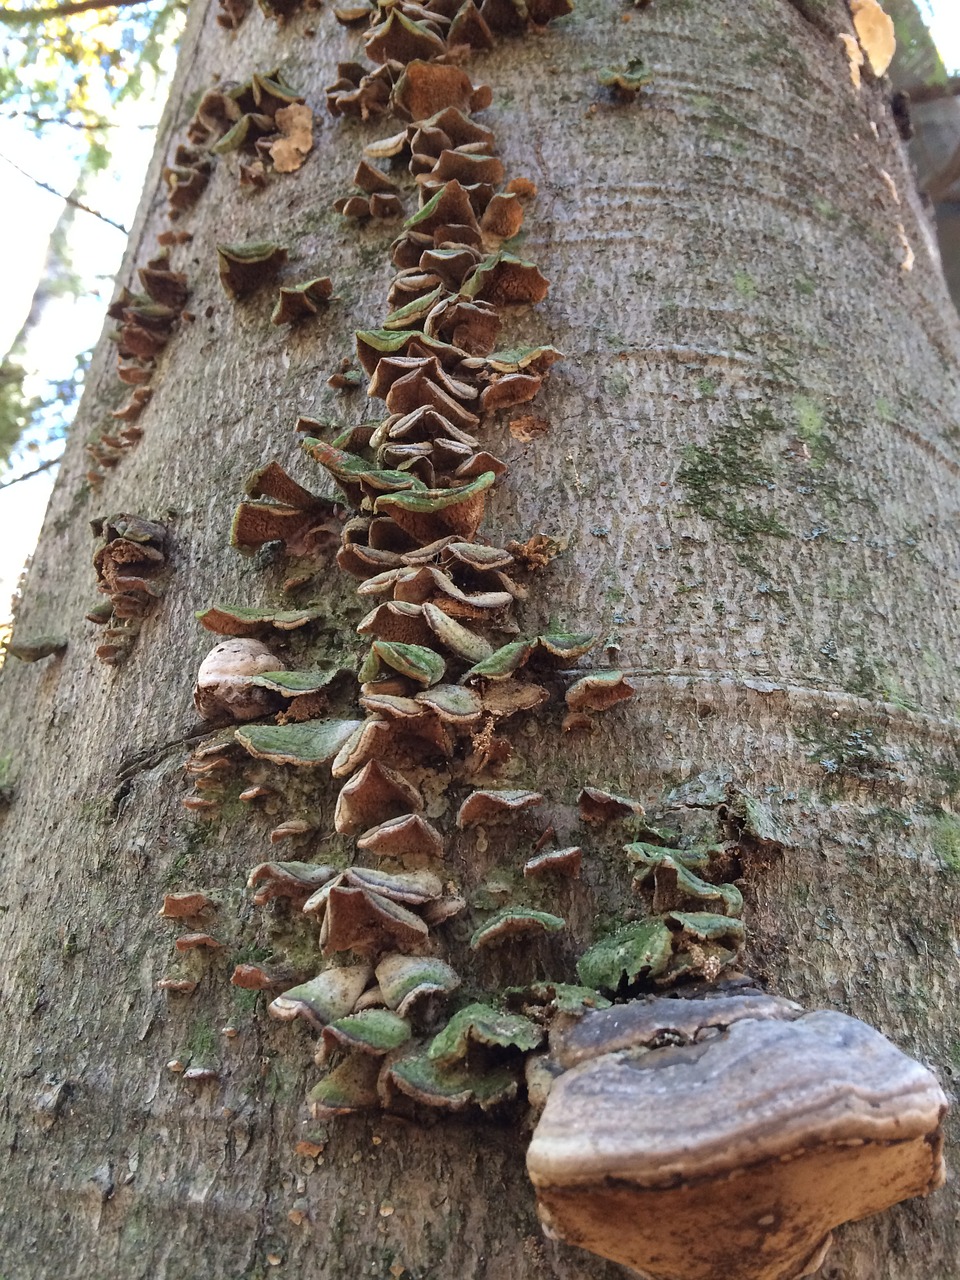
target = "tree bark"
x: 752, y: 456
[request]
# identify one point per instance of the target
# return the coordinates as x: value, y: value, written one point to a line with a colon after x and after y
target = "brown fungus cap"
x: 245, y: 267
x: 359, y: 919
x: 513, y: 922
x: 400, y: 39
x: 509, y: 390
x: 503, y: 217
x: 599, y: 691
x: 488, y: 807
x: 362, y: 94
x: 427, y: 88
x: 250, y: 977
x: 598, y: 807
x: 396, y: 621
x: 469, y: 28
x: 561, y: 862
x: 405, y: 981
x: 409, y: 835
x: 299, y: 301
x: 737, y: 1154
x: 372, y: 796
x: 184, y: 906
x: 195, y: 941
x: 435, y: 513
x: 451, y: 204
x: 350, y: 1086
x: 295, y: 880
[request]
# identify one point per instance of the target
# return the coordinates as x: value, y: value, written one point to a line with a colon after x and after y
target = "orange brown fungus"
x: 264, y: 120
x: 146, y: 322
x: 131, y: 565
x: 443, y: 672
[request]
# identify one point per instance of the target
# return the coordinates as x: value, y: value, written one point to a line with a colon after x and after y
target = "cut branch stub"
x: 735, y: 1153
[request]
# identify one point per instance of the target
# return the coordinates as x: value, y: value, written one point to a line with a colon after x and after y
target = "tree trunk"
x: 752, y: 461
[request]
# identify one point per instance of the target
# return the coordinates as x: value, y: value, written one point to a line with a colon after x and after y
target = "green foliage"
x: 70, y: 73
x: 17, y: 409
x: 35, y: 419
x: 74, y: 70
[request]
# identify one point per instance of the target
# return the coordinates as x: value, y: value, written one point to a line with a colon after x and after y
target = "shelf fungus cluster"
x: 132, y: 564
x: 146, y: 321
x: 265, y: 121
x: 728, y: 1136
x: 733, y: 1111
x: 445, y: 670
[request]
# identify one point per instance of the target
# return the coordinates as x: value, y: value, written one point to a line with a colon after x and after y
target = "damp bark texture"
x: 753, y: 459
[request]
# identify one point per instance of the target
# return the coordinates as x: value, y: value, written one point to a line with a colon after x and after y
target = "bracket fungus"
x: 510, y: 922
x: 598, y: 807
x: 309, y: 743
x: 244, y: 268
x: 35, y: 649
x: 298, y: 302
x: 224, y: 688
x: 495, y: 806
x: 131, y: 563
x: 728, y: 1136
x: 626, y: 84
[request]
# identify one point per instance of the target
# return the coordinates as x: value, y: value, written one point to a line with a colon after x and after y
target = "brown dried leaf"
x: 296, y: 137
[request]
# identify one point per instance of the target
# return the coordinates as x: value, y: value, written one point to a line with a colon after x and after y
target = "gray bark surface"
x: 753, y: 452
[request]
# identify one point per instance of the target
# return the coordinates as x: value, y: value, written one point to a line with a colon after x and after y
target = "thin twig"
x: 28, y: 475
x: 90, y: 127
x: 24, y: 17
x: 71, y: 200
